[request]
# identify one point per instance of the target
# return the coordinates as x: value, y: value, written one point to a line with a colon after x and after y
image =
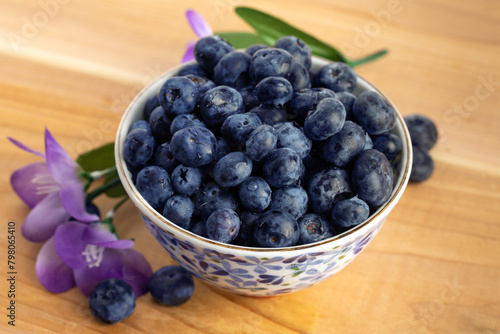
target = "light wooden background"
x: 435, y: 265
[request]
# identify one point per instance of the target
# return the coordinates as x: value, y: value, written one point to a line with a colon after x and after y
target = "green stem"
x: 105, y: 187
x: 108, y: 221
x: 369, y: 58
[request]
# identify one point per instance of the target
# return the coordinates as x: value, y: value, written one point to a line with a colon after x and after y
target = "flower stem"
x: 108, y: 221
x: 105, y: 187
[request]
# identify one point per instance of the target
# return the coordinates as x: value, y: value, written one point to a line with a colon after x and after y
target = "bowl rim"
x: 139, y: 201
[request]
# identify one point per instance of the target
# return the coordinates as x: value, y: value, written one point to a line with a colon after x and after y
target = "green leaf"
x: 98, y: 159
x: 271, y: 28
x: 369, y: 58
x: 241, y: 40
x: 116, y: 191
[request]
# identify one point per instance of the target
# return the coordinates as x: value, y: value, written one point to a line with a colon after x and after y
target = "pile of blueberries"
x: 253, y: 148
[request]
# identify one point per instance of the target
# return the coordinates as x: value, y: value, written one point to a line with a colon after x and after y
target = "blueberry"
x: 276, y: 229
x: 300, y: 51
x: 327, y: 187
x: 283, y: 167
x: 343, y: 146
x: 387, y: 143
x: 313, y: 228
x: 138, y: 148
x: 255, y: 47
x: 368, y: 142
x: 160, y: 122
x: 336, y: 76
x: 422, y: 166
x: 186, y: 180
x: 245, y: 235
x: 219, y: 103
x: 269, y: 114
x: 326, y: 120
x: 141, y: 124
x: 171, y: 285
x: 423, y: 131
x: 194, y: 146
x: 212, y: 197
x: 299, y: 77
x: 261, y: 142
x: 274, y: 90
x: 291, y: 199
x: 202, y: 83
x: 372, y: 177
x: 194, y: 69
x: 270, y: 62
x: 179, y: 95
x: 185, y: 121
x: 112, y: 300
x: 249, y: 99
x: 373, y: 113
x: 209, y: 50
x: 347, y: 100
x: 223, y: 148
x: 154, y: 184
x: 223, y: 225
x: 237, y: 128
x: 294, y: 138
x: 150, y: 105
x: 306, y: 100
x: 164, y: 158
x: 232, y: 169
x: 232, y: 70
x: 179, y: 210
x: 199, y: 228
x: 255, y: 194
x: 350, y: 212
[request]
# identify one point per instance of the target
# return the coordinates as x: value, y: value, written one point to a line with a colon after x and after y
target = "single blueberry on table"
x: 313, y: 228
x: 306, y: 100
x: 219, y: 103
x: 336, y: 76
x: 270, y: 62
x: 387, y: 143
x: 179, y: 210
x: 283, y: 167
x: 194, y: 69
x: 326, y: 120
x: 139, y: 147
x: 350, y: 212
x: 327, y: 187
x: 185, y: 121
x: 202, y: 83
x: 194, y: 146
x: 186, y: 180
x: 211, y: 197
x: 223, y: 225
x: 293, y: 137
x: 179, y: 95
x: 300, y: 51
x: 154, y: 184
x: 372, y: 177
x: 423, y: 131
x: 171, y: 285
x: 343, y: 146
x: 276, y: 229
x: 233, y: 70
x: 422, y: 166
x: 209, y: 50
x: 164, y: 158
x: 291, y: 199
x: 261, y: 142
x: 255, y: 47
x: 255, y: 194
x: 269, y: 114
x: 160, y: 122
x: 274, y: 90
x: 112, y: 300
x: 237, y: 128
x: 299, y: 77
x: 373, y: 113
x: 232, y: 169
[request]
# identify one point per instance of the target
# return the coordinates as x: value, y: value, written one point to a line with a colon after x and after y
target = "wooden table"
x: 73, y: 66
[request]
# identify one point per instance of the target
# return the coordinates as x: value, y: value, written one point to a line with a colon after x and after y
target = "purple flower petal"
x: 189, y: 54
x: 33, y: 182
x: 199, y: 25
x: 61, y: 166
x: 51, y: 271
x: 25, y: 148
x: 69, y: 245
x: 116, y: 244
x: 42, y: 221
x: 98, y: 233
x: 137, y: 271
x: 73, y: 200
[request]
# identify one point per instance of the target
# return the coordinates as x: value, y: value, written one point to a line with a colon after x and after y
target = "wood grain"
x: 435, y: 265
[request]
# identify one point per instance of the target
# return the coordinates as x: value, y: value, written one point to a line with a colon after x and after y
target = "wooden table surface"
x: 74, y: 65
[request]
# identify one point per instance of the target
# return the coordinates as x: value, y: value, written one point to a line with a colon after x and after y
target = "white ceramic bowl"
x: 259, y: 271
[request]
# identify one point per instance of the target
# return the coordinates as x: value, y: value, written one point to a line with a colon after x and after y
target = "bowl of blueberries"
x: 263, y: 171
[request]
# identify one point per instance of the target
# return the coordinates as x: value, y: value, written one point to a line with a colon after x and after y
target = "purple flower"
x: 86, y: 254
x: 53, y: 190
x: 200, y: 27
